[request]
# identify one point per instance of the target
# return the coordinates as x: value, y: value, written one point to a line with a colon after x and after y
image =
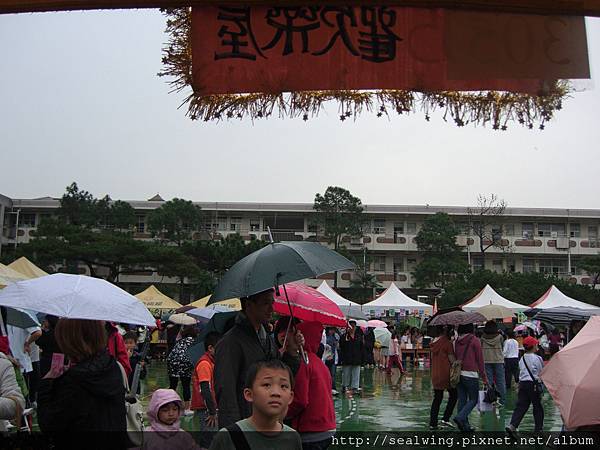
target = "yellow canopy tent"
x: 233, y: 303
x: 8, y: 276
x: 156, y: 300
x: 27, y: 268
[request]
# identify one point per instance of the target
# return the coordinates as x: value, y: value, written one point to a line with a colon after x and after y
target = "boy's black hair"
x: 130, y: 335
x: 211, y: 339
x: 269, y: 364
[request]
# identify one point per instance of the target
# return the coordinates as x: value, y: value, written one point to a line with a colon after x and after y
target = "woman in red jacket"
x: 312, y: 413
x: 116, y: 347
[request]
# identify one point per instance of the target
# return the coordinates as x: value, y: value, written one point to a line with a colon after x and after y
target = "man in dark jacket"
x: 351, y: 354
x: 246, y: 343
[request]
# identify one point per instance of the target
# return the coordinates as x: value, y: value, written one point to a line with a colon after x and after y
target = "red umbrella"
x: 308, y: 304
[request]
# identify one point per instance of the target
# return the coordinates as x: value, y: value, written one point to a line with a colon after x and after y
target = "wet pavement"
x: 390, y: 403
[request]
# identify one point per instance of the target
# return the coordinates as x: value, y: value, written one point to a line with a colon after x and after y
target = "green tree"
x: 338, y: 214
x: 175, y: 221
x: 362, y: 283
x: 591, y: 265
x: 443, y: 260
x: 99, y: 234
x: 219, y: 255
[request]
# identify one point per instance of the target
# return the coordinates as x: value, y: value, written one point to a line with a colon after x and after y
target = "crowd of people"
x: 258, y: 380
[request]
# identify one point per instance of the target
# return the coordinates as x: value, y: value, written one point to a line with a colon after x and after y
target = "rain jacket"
x: 492, y: 345
x: 440, y: 363
x: 85, y: 402
x: 161, y: 436
x: 351, y: 349
x: 116, y: 347
x: 239, y: 348
x: 312, y: 409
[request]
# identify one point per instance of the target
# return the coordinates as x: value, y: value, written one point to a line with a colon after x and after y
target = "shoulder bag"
x: 134, y: 413
x: 538, y: 386
x: 456, y: 368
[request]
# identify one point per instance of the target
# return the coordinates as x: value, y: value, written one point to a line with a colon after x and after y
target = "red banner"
x: 283, y: 49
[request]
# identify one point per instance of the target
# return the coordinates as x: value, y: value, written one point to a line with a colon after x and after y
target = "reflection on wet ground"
x: 391, y: 403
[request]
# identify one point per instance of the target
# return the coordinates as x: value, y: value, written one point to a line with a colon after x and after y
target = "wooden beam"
x: 546, y: 7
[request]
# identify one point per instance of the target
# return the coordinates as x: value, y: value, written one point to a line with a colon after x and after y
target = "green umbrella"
x: 276, y: 264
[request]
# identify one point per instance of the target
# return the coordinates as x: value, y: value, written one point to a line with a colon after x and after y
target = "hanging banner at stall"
x: 283, y: 49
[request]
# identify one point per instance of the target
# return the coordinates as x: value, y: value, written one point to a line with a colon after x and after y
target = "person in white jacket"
x: 12, y: 401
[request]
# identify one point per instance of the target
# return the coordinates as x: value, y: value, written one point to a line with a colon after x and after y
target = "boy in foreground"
x: 269, y: 388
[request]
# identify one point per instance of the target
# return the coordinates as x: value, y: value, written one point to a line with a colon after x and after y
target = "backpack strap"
x: 238, y: 437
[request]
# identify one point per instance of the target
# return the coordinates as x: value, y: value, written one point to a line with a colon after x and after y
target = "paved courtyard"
x: 391, y: 403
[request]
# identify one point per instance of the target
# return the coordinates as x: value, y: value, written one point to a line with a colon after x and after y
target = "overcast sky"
x: 80, y: 101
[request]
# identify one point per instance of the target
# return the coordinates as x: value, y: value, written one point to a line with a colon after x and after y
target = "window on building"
x: 398, y: 265
x: 235, y: 224
x: 575, y: 230
x: 509, y: 229
x: 140, y: 225
x: 528, y: 265
x: 254, y: 224
x: 379, y: 263
x: 284, y: 223
x: 593, y: 236
x: 575, y: 270
x: 27, y: 220
x: 378, y: 226
x: 527, y: 228
x: 411, y: 263
x: 463, y: 228
x: 221, y: 224
x: 411, y: 228
x: 511, y: 266
x: 551, y: 229
x: 553, y: 266
x: 497, y: 232
x: 497, y: 265
x: 478, y: 263
x: 398, y: 227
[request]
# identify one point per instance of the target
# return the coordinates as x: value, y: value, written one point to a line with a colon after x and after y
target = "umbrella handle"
x: 302, y: 352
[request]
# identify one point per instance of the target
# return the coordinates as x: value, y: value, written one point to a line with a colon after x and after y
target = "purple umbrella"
x: 456, y: 318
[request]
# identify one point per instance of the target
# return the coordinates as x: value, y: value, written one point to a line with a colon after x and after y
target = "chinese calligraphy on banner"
x: 243, y: 49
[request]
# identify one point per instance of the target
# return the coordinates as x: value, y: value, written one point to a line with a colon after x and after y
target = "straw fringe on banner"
x: 481, y: 108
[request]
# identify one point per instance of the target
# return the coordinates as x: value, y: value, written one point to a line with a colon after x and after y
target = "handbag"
x: 134, y: 413
x: 491, y: 394
x: 538, y: 386
x: 456, y: 368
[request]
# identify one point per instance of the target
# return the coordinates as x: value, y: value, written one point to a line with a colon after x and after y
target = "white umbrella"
x: 383, y: 335
x: 182, y: 319
x: 205, y: 314
x: 76, y: 297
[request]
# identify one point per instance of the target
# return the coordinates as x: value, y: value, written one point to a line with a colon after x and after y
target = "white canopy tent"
x: 553, y: 298
x: 348, y: 307
x: 488, y: 296
x: 394, y: 299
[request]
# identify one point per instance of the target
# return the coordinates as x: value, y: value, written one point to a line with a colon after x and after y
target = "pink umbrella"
x: 308, y: 304
x: 374, y: 323
x: 571, y: 377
